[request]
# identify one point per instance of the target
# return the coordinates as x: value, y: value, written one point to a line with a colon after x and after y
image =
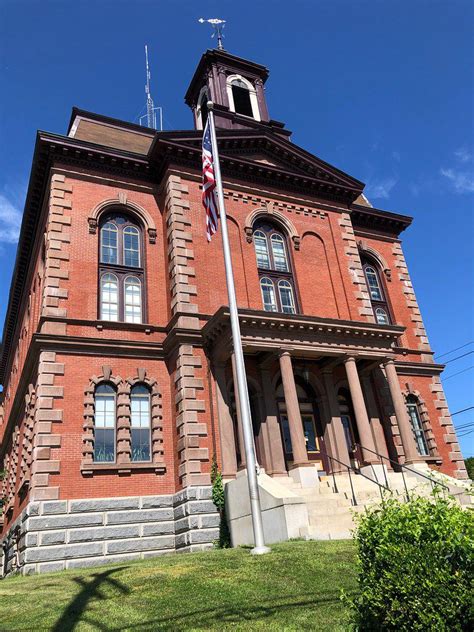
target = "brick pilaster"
x: 58, y: 238
x: 47, y: 413
x: 355, y: 268
x: 190, y: 410
x: 445, y: 421
x: 410, y: 298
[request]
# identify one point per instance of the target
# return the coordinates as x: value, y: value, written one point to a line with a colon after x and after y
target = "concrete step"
x: 322, y: 533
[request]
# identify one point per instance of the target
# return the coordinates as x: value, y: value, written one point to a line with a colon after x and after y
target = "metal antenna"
x: 151, y: 110
x: 218, y: 26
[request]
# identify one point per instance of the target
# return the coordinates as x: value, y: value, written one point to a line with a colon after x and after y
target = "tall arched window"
x: 417, y: 425
x: 376, y: 292
x: 121, y: 272
x: 140, y: 423
x: 274, y: 268
x: 242, y: 97
x: 104, y: 424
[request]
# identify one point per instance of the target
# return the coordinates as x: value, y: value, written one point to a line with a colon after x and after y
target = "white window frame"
x: 252, y: 92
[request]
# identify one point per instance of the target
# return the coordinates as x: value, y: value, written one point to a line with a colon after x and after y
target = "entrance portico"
x: 312, y: 378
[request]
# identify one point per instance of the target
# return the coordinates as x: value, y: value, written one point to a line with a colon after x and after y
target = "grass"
x: 295, y: 587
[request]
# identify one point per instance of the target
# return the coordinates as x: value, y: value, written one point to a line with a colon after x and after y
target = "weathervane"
x: 218, y: 26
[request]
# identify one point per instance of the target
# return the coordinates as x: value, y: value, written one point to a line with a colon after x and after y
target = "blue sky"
x: 381, y: 89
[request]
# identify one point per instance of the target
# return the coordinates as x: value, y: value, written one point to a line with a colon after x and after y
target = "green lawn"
x: 295, y: 587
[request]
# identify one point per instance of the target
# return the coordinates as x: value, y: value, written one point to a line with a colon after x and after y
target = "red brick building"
x: 116, y: 361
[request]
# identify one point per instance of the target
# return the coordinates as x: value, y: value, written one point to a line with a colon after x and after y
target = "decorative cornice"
x: 418, y: 368
x: 316, y: 335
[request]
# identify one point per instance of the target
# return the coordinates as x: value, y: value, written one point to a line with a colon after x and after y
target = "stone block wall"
x: 60, y: 534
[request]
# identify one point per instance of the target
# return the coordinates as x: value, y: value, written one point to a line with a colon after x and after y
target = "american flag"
x: 209, y: 197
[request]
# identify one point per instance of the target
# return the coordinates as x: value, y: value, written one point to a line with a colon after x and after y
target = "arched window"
x: 274, y: 267
x: 140, y: 423
x: 268, y: 295
x: 242, y: 97
x: 376, y: 292
x: 104, y: 424
x: 121, y: 253
x: 417, y: 425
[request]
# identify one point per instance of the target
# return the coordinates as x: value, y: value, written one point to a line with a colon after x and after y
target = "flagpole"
x: 241, y: 378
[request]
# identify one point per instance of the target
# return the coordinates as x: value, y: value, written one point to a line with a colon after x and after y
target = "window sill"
x: 122, y: 469
x: 433, y: 459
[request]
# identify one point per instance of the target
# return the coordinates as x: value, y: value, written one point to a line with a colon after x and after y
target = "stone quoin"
x: 117, y: 363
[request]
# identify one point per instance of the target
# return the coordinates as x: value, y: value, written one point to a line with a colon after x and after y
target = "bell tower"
x: 236, y: 87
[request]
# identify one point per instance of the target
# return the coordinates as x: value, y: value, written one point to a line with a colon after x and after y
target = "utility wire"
x: 453, y: 350
x: 458, y: 357
x: 458, y: 412
x: 458, y: 373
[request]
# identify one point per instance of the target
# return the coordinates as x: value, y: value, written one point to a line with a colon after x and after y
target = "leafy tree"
x: 469, y: 462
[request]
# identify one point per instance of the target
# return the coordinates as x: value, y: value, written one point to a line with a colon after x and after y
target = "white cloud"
x: 380, y: 188
x: 462, y: 154
x: 462, y: 181
x: 10, y: 221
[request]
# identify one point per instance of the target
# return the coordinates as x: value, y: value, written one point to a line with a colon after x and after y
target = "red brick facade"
x: 59, y: 349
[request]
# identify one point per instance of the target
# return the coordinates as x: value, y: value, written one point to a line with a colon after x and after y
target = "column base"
x: 305, y: 474
x: 376, y: 472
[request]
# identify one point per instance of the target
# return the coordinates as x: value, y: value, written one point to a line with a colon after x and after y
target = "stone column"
x: 275, y: 440
x: 337, y: 430
x: 298, y: 443
x: 240, y: 431
x: 226, y: 426
x: 401, y: 413
x: 376, y: 425
x: 360, y: 411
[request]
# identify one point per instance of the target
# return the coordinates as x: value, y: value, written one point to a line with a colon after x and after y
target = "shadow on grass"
x: 89, y: 590
x: 203, y: 619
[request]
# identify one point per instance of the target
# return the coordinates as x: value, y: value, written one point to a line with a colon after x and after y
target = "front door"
x: 350, y: 428
x: 312, y: 432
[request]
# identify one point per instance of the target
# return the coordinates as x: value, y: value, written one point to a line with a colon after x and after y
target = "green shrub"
x: 218, y: 498
x: 415, y: 567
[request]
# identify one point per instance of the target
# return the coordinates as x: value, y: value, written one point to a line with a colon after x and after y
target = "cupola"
x: 235, y: 86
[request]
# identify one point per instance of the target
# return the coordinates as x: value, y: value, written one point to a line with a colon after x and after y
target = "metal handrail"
x: 403, y: 467
x: 350, y: 468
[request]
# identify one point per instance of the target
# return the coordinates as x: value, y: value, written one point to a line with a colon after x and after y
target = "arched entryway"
x: 311, y: 420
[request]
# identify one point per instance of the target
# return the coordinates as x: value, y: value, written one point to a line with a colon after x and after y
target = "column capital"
x: 283, y: 353
x: 349, y: 358
x: 388, y: 360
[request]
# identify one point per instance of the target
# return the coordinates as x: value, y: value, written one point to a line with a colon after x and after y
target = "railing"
x: 355, y: 470
x: 434, y: 483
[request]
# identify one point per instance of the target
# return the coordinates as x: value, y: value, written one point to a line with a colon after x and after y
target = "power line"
x: 458, y: 412
x: 461, y: 356
x: 453, y: 350
x: 466, y: 433
x: 458, y: 373
x: 464, y: 427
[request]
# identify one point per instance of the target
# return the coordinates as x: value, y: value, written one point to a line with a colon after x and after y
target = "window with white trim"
x: 417, y: 425
x: 242, y: 97
x: 376, y: 292
x: 140, y: 421
x: 104, y: 423
x: 121, y: 271
x: 274, y: 269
